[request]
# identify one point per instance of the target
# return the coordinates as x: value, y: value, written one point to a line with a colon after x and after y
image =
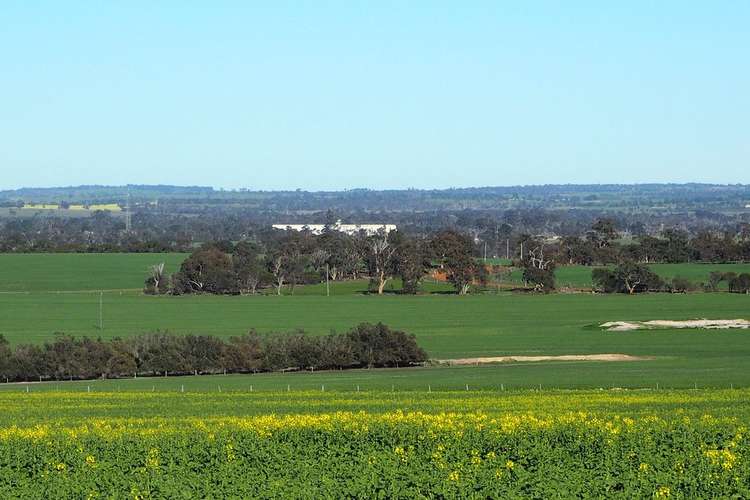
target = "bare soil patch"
x: 705, y: 324
x: 564, y: 357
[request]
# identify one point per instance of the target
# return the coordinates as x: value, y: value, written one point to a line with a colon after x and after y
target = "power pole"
x: 485, y: 252
x: 507, y: 248
x: 128, y: 222
x: 328, y: 288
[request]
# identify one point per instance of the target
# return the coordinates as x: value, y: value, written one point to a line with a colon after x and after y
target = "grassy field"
x: 77, y: 271
x: 448, y: 326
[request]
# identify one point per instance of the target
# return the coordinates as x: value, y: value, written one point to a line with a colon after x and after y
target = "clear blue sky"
x: 335, y: 95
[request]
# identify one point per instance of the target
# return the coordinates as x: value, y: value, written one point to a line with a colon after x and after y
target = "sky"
x: 383, y: 94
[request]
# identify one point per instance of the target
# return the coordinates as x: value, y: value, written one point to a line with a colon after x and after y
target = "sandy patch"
x: 565, y: 357
x: 706, y: 324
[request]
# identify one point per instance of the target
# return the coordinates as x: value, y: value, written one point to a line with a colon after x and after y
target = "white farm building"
x: 368, y: 229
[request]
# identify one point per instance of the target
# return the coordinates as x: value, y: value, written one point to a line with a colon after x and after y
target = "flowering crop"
x: 470, y: 449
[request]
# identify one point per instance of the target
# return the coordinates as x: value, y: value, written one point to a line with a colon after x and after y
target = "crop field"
x: 78, y: 271
x: 447, y: 326
x: 672, y: 423
x: 682, y: 444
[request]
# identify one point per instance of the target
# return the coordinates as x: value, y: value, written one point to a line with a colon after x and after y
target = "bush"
x: 626, y: 277
x: 160, y: 353
x: 682, y: 285
x: 740, y: 283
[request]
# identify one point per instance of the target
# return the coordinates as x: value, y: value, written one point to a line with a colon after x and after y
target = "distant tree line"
x: 154, y: 354
x: 294, y: 258
x: 632, y: 277
x: 182, y: 224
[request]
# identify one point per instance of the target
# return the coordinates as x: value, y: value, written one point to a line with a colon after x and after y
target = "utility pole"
x: 522, y: 250
x: 507, y: 248
x: 328, y: 288
x: 485, y: 252
x: 128, y: 222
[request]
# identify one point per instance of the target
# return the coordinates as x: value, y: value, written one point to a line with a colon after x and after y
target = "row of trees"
x: 632, y: 277
x: 602, y: 245
x: 302, y: 258
x: 66, y: 357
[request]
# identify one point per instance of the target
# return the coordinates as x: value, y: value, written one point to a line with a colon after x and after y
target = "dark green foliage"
x: 626, y: 277
x: 740, y: 283
x: 541, y: 279
x: 412, y: 264
x: 454, y: 253
x: 378, y: 345
x: 682, y: 285
x: 67, y: 357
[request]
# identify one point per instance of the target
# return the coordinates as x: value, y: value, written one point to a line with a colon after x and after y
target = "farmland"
x: 666, y: 443
x: 117, y: 271
x: 447, y: 326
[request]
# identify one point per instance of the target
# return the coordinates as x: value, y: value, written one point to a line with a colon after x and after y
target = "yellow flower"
x: 60, y: 466
x: 90, y: 460
x: 453, y: 476
x: 643, y: 467
x: 509, y: 465
x: 662, y: 492
x: 152, y: 460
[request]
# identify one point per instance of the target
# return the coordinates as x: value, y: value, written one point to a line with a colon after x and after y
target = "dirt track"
x: 706, y: 324
x: 565, y: 357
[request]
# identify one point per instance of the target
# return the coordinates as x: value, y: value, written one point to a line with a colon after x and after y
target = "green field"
x: 79, y: 271
x: 447, y: 326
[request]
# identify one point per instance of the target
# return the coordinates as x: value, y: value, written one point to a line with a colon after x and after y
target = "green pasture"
x: 80, y: 271
x: 448, y: 326
x: 45, y: 294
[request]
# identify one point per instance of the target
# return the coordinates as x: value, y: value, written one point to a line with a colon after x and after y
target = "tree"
x: 248, y: 267
x: 454, y: 252
x: 539, y: 268
x: 380, y: 255
x: 378, y: 345
x: 156, y: 283
x: 206, y: 270
x: 626, y: 277
x: 412, y: 263
x: 740, y: 284
x: 682, y: 285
